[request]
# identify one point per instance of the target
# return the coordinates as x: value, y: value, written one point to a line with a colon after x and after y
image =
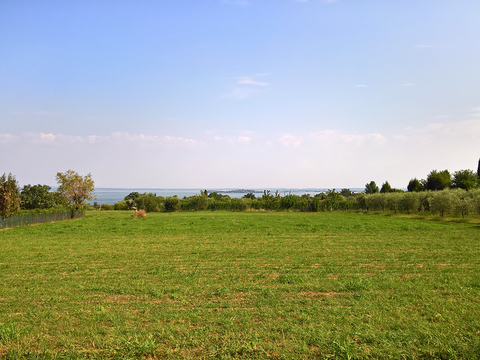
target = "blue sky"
x: 239, y: 93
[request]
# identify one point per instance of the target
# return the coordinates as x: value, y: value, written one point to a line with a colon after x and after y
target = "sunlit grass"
x: 241, y: 285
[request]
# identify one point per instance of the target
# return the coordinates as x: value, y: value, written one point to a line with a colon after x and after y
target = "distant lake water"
x: 112, y: 195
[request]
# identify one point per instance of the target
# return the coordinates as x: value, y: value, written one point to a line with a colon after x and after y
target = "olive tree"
x: 442, y: 202
x: 75, y: 188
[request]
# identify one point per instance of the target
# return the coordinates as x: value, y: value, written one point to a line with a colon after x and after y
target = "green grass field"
x: 280, y: 285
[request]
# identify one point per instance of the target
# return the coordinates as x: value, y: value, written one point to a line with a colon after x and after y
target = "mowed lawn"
x: 279, y: 285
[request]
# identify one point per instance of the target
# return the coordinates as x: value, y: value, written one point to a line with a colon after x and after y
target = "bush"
x: 121, y: 205
x: 106, y: 207
x: 172, y: 203
x: 149, y: 202
x: 140, y: 214
x: 198, y: 202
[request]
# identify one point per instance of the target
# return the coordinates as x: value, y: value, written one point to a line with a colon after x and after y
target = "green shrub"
x: 106, y: 207
x: 172, y: 203
x: 121, y: 205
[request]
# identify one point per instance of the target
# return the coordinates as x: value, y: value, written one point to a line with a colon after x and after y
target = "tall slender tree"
x: 9, y: 195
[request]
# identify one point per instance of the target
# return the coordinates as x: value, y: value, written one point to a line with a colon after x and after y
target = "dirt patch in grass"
x: 121, y: 299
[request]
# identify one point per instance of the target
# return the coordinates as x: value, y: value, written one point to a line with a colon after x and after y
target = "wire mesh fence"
x: 25, y: 220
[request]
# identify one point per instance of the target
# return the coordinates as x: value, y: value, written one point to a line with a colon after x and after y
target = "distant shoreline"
x: 112, y: 195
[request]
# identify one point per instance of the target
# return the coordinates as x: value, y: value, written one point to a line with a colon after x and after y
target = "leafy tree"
x: 216, y: 196
x: 409, y: 202
x: 37, y: 197
x: 386, y: 188
x: 9, y: 195
x: 198, y: 202
x: 377, y: 201
x: 464, y: 203
x: 346, y: 192
x: 130, y: 200
x: 442, y: 202
x: 149, y: 202
x: 172, y: 203
x: 106, y: 206
x: 249, y: 196
x: 414, y: 185
x: 394, y: 200
x: 371, y: 188
x: 288, y: 201
x: 439, y: 180
x: 132, y: 196
x: 464, y: 179
x: 121, y: 205
x: 75, y: 188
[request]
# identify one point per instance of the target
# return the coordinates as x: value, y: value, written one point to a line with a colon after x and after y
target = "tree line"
x: 440, y: 193
x: 446, y: 201
x: 72, y: 192
x: 436, y: 180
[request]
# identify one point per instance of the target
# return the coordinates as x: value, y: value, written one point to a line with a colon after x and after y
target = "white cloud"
x: 290, y: 140
x: 361, y: 86
x: 362, y: 138
x: 244, y: 139
x: 251, y: 80
x: 239, y: 94
x: 49, y: 138
x: 246, y: 87
x: 114, y: 139
x: 335, y: 138
x: 476, y: 112
x: 246, y: 80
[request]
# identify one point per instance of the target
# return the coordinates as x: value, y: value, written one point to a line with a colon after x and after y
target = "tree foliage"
x: 75, y: 188
x: 386, y: 188
x: 9, y: 195
x: 37, y: 197
x: 438, y: 180
x: 371, y: 188
x: 414, y: 185
x: 465, y: 179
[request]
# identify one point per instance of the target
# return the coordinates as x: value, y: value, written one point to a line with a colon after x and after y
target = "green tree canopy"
x: 371, y: 188
x: 75, y: 188
x: 386, y: 188
x: 346, y: 192
x: 465, y: 179
x: 414, y: 185
x: 439, y: 180
x: 9, y: 195
x: 37, y: 197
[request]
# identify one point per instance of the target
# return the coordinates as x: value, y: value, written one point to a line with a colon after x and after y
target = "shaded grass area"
x: 241, y: 285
